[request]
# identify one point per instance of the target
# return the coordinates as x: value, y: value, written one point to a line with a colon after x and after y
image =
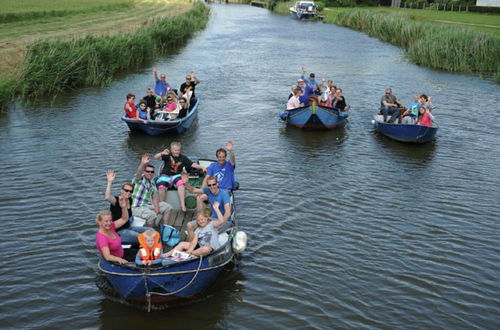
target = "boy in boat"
x: 150, y: 252
x: 173, y: 163
x: 205, y: 237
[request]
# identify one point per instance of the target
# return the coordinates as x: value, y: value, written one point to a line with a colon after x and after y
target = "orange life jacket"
x: 145, y: 251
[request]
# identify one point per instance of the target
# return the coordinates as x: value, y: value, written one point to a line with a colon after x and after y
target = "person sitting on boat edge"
x: 161, y: 84
x: 214, y: 194
x: 390, y: 105
x: 191, y: 82
x: 129, y: 106
x: 150, y: 250
x: 339, y: 101
x: 128, y: 231
x: 107, y: 240
x: 145, y: 201
x: 222, y: 169
x: 205, y: 237
x: 170, y: 176
x: 294, y: 102
x: 424, y: 118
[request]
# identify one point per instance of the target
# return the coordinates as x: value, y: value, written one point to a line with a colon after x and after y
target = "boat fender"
x: 240, y: 242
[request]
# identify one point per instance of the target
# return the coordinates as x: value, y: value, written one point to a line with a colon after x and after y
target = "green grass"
x: 25, y: 6
x: 98, y: 25
x: 54, y: 65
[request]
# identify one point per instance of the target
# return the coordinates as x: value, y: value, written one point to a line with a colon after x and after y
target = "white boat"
x: 304, y: 10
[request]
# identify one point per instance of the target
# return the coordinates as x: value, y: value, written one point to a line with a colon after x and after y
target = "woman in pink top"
x: 107, y: 240
x: 294, y: 102
x: 423, y: 118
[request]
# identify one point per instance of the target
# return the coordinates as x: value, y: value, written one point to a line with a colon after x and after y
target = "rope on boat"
x: 163, y: 274
x: 149, y: 293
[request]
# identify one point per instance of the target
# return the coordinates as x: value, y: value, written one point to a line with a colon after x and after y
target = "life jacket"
x: 145, y: 251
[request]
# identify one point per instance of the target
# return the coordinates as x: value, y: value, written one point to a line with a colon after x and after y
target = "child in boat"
x: 424, y: 118
x: 150, y: 252
x: 205, y: 238
x: 294, y: 102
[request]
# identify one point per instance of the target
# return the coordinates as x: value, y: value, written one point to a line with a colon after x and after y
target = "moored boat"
x: 157, y: 127
x: 175, y: 278
x: 314, y: 116
x: 409, y: 133
x: 304, y: 10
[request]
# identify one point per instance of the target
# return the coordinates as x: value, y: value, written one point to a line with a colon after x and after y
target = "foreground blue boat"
x: 157, y: 127
x: 175, y: 278
x: 314, y: 116
x: 409, y: 133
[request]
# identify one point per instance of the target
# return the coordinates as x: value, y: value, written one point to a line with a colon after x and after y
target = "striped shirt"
x: 143, y: 192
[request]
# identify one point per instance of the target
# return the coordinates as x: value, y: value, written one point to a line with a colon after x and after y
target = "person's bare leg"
x: 181, y: 191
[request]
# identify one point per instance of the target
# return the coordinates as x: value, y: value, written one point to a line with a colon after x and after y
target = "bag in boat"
x: 169, y: 235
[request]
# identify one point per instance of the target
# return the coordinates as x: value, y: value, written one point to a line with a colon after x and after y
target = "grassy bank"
x: 427, y: 42
x: 86, y: 47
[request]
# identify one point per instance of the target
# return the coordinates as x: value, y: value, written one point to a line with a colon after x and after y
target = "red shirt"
x: 426, y: 120
x: 128, y: 113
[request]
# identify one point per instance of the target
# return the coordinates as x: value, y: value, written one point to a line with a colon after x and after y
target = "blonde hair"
x: 150, y: 233
x: 100, y: 215
x: 175, y: 144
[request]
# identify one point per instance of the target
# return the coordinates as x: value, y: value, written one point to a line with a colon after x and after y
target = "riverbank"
x: 428, y: 42
x: 70, y: 44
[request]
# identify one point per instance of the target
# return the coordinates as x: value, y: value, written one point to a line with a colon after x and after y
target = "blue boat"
x: 175, y: 279
x: 409, y: 133
x: 314, y: 116
x: 157, y: 127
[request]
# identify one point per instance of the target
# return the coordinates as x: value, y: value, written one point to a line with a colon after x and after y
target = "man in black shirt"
x: 170, y: 176
x: 191, y: 82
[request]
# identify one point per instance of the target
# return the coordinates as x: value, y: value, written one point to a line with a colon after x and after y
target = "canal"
x: 347, y: 229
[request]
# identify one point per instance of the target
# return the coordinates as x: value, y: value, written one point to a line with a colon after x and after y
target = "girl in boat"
x: 205, y: 238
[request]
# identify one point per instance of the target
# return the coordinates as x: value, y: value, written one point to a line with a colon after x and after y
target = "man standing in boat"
x: 162, y: 86
x: 145, y: 202
x: 222, y: 169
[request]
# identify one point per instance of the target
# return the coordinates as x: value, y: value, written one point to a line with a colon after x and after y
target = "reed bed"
x: 451, y: 48
x: 53, y: 65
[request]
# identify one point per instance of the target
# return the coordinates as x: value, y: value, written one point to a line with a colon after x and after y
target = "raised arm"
x: 221, y: 219
x: 110, y: 175
x: 146, y: 158
x: 189, y: 187
x: 232, y: 156
x: 155, y: 71
x: 165, y: 152
x: 196, y: 80
x: 124, y: 204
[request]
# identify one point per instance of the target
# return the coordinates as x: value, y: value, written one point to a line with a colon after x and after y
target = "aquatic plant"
x: 451, y: 48
x: 53, y: 65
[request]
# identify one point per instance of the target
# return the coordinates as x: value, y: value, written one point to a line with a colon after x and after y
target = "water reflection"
x: 417, y: 153
x: 209, y: 308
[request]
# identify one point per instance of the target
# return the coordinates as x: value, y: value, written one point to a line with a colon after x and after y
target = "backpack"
x: 169, y: 235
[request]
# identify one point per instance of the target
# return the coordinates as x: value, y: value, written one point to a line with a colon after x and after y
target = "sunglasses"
x: 149, y: 171
x: 126, y: 190
x: 212, y: 185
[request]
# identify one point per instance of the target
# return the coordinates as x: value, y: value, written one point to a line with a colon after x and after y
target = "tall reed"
x: 7, y: 88
x: 54, y: 65
x: 451, y: 48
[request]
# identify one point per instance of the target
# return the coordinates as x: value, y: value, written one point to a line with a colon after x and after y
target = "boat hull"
x: 408, y: 133
x: 314, y: 117
x: 301, y: 16
x: 157, y: 127
x: 174, y: 281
